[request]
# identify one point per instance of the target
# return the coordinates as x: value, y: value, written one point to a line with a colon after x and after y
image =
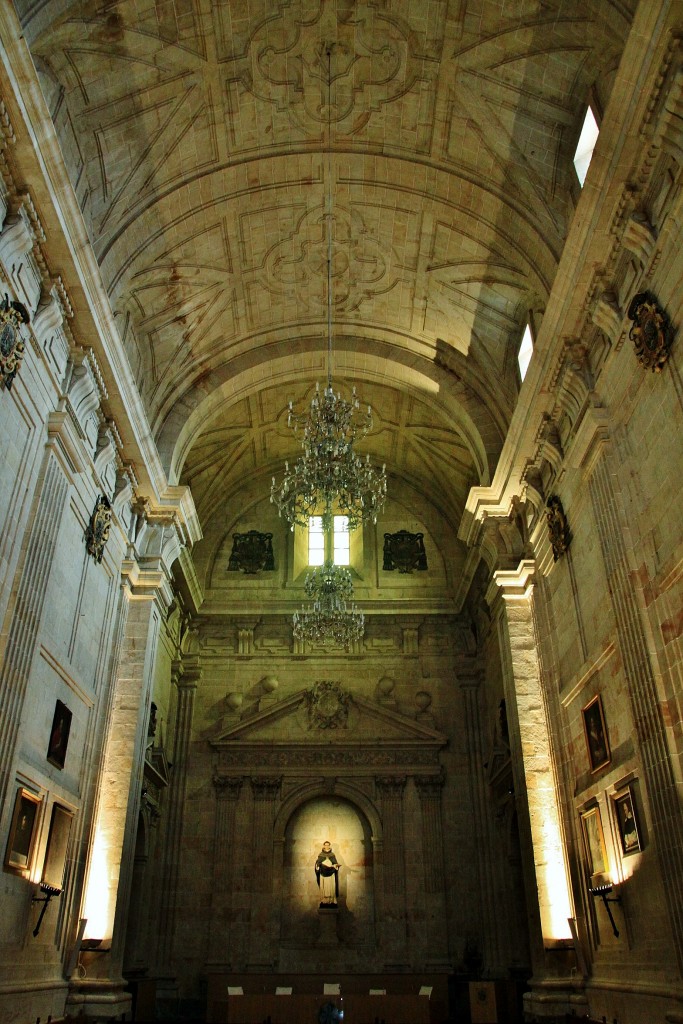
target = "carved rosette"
x: 328, y: 706
x: 558, y: 527
x: 651, y: 333
x: 12, y: 315
x: 97, y: 531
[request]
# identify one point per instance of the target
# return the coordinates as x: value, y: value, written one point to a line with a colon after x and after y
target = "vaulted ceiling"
x: 196, y: 137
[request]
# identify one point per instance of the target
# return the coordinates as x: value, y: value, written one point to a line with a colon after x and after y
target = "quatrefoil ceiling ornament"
x: 651, y: 333
x: 12, y: 315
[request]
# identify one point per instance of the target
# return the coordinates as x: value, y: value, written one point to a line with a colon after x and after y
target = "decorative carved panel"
x: 12, y: 315
x: 252, y: 552
x: 328, y: 706
x: 404, y: 551
x: 558, y: 527
x: 651, y: 333
x: 97, y: 531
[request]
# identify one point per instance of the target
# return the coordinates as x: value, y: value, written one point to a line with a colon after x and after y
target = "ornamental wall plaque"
x: 12, y: 315
x: 97, y: 532
x: 328, y: 706
x: 558, y: 527
x: 404, y: 551
x: 651, y: 333
x: 251, y: 552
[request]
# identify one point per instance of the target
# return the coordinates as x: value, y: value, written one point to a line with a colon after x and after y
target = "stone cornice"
x: 605, y: 224
x: 38, y: 159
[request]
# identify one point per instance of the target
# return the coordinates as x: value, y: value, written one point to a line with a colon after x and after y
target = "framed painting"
x: 594, y: 840
x: 59, y: 735
x: 627, y: 824
x: 57, y: 843
x: 596, y: 734
x: 23, y: 830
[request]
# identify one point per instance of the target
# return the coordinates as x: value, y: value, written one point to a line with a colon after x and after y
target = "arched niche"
x: 337, y: 818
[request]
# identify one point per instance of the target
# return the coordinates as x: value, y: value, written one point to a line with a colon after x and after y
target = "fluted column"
x: 187, y: 674
x: 228, y: 791
x: 393, y: 927
x: 488, y: 889
x: 23, y: 631
x: 429, y: 790
x: 647, y: 712
x: 264, y: 902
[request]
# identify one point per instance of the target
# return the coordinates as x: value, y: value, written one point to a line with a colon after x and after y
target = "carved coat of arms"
x: 12, y: 315
x: 328, y: 706
x: 97, y: 532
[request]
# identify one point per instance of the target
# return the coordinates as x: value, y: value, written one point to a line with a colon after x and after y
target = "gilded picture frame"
x: 595, y: 731
x: 59, y: 735
x: 594, y: 840
x: 627, y: 823
x: 57, y: 845
x: 23, y: 831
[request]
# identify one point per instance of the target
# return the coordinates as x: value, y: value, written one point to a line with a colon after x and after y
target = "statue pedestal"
x: 327, y: 918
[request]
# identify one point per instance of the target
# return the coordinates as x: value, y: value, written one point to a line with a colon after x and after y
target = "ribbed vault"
x: 196, y: 138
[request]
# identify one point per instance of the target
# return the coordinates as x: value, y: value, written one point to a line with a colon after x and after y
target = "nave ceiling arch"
x: 196, y: 139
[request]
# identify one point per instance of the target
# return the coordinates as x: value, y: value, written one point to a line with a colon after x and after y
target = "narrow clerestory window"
x: 584, y: 150
x: 525, y: 351
x: 336, y: 543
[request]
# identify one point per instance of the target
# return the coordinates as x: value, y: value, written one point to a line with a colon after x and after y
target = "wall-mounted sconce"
x: 48, y: 892
x: 603, y: 892
x: 93, y: 946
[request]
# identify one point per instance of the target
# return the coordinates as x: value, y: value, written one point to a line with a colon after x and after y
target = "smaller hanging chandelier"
x: 327, y: 619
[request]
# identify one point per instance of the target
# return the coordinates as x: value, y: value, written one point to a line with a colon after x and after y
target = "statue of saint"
x: 327, y: 876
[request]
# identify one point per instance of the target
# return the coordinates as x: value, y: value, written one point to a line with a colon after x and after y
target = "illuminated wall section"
x: 549, y: 858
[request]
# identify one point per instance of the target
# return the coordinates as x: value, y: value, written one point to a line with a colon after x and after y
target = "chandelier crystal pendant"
x: 328, y: 619
x: 329, y: 475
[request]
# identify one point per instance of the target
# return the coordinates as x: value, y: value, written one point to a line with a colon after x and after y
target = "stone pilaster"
x: 393, y: 926
x: 264, y: 902
x: 491, y: 910
x: 648, y: 714
x: 23, y: 631
x: 110, y: 868
x: 429, y: 790
x: 228, y: 791
x: 186, y: 676
x: 536, y: 791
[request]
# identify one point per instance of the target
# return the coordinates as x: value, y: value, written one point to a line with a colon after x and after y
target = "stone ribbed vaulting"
x: 504, y: 740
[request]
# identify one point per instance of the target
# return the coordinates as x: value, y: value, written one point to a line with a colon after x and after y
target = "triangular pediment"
x: 290, y: 721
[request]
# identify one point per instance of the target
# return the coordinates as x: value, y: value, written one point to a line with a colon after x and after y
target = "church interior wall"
x: 215, y: 837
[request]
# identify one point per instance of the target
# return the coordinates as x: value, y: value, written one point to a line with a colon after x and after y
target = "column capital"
x: 228, y: 787
x: 513, y: 584
x: 149, y: 583
x: 391, y: 785
x: 429, y: 786
x: 266, y: 787
x: 186, y: 671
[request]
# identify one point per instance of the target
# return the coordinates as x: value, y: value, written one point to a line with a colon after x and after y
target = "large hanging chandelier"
x: 328, y: 619
x: 329, y: 476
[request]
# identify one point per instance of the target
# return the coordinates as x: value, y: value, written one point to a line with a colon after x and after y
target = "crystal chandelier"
x: 327, y: 619
x: 329, y: 476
